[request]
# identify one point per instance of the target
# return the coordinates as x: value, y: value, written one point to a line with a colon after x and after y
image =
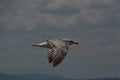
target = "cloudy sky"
x: 95, y: 24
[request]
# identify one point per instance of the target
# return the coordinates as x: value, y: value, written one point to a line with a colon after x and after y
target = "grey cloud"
x: 91, y: 11
x: 29, y: 14
x: 4, y: 5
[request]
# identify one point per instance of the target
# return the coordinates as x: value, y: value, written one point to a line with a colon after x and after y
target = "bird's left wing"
x: 58, y: 52
x: 58, y: 55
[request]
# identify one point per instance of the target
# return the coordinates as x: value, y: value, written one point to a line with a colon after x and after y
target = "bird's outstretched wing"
x: 57, y: 52
x: 56, y: 55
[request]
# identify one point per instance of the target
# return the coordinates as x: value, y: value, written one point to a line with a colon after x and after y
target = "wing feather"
x: 50, y: 55
x: 60, y: 55
x: 57, y: 53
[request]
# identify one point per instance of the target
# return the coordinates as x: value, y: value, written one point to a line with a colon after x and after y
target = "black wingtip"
x: 54, y: 65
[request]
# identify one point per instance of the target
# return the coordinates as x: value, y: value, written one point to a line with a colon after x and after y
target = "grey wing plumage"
x: 56, y: 55
x: 50, y: 55
x: 58, y: 51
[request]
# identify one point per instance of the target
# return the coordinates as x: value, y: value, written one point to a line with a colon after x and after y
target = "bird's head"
x: 70, y: 41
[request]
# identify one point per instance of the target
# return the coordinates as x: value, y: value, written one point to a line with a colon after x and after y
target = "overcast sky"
x: 95, y: 24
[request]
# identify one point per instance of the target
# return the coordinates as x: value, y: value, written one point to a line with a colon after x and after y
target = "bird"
x: 58, y: 48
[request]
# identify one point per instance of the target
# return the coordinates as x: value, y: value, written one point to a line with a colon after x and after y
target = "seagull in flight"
x: 58, y: 49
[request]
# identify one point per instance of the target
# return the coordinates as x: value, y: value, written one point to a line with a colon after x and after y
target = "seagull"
x: 58, y: 48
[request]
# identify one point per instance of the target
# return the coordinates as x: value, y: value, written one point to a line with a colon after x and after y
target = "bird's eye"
x: 71, y: 41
